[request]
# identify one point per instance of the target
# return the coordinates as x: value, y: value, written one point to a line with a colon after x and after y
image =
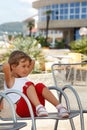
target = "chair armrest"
x: 2, y: 95
x: 78, y: 102
x: 28, y: 103
x: 75, y: 94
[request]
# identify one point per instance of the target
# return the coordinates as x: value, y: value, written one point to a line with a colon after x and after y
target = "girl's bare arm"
x: 8, y: 76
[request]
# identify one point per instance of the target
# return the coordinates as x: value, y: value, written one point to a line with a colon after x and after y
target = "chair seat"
x: 12, y: 126
x: 53, y: 115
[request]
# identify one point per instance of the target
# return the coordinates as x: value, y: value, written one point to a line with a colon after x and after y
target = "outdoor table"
x: 61, y: 57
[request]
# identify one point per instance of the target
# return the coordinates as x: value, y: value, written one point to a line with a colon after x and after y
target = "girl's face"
x: 21, y: 70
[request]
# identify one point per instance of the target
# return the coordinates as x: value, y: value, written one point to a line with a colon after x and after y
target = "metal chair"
x: 76, y: 91
x: 70, y: 73
x: 51, y: 116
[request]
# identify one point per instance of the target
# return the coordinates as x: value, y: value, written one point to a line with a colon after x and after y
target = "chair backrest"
x: 58, y: 73
x: 73, y: 73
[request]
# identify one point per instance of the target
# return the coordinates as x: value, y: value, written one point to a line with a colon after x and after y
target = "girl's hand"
x: 6, y: 67
x: 33, y: 62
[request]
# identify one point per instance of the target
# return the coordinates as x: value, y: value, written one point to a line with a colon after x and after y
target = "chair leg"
x: 72, y: 124
x: 56, y: 125
x: 1, y: 104
x: 82, y: 121
x: 69, y: 73
x: 33, y: 127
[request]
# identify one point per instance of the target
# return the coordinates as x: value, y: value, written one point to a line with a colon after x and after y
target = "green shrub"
x: 59, y: 44
x: 80, y: 45
x: 42, y: 41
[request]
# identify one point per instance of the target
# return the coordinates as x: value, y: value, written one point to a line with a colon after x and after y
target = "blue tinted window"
x: 71, y: 10
x: 54, y: 6
x: 77, y: 31
x: 47, y: 7
x: 66, y: 10
x: 76, y: 34
x: 77, y: 4
x: 84, y: 3
x: 77, y: 10
x: 84, y: 10
x: 61, y: 11
x: 72, y: 4
x: 56, y: 12
x: 65, y: 17
x: 71, y: 16
x: 76, y: 16
x: 53, y: 13
x: 61, y: 17
x: 56, y: 17
x: 83, y: 16
x: 61, y: 5
x: 65, y: 5
x: 52, y: 17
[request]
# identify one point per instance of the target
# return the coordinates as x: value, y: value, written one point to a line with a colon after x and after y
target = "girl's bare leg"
x: 49, y: 96
x: 31, y: 92
x: 40, y: 110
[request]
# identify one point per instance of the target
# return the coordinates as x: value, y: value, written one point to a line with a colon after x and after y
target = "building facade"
x: 67, y: 17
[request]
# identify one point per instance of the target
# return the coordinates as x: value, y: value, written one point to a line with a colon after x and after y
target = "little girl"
x: 16, y: 71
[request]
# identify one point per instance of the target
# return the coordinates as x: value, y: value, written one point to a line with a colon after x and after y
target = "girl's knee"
x: 27, y: 86
x: 39, y: 87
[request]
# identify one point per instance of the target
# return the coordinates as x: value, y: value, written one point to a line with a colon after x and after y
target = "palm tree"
x: 47, y: 22
x: 31, y: 25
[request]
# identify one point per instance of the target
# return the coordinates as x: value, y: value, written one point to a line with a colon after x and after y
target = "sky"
x: 16, y: 10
